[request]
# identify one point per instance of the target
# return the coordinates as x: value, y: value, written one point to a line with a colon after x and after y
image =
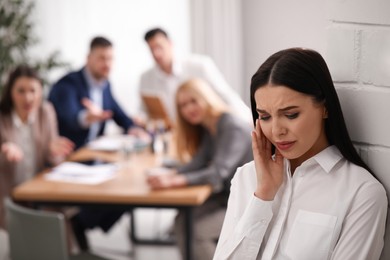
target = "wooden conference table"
x: 128, y: 189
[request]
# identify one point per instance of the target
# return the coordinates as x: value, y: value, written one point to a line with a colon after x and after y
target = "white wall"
x: 216, y: 31
x: 354, y: 38
x: 270, y: 26
x: 69, y: 26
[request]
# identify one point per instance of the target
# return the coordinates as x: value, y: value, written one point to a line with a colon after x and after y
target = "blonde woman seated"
x: 213, y: 142
x: 28, y: 133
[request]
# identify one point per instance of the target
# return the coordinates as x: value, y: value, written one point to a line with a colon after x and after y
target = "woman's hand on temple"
x: 269, y: 170
x: 12, y: 152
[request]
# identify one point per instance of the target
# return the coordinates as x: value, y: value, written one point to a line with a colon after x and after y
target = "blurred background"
x: 352, y: 35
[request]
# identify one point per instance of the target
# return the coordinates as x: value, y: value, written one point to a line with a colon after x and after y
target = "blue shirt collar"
x: 92, y: 82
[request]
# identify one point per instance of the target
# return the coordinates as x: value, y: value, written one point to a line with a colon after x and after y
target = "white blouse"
x: 25, y: 169
x: 329, y: 209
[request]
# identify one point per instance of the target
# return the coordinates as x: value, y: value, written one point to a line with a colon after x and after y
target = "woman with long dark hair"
x: 308, y: 194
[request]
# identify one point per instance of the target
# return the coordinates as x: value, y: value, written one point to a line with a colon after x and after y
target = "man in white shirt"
x: 163, y: 79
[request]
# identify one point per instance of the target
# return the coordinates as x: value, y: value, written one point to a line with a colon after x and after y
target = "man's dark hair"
x: 153, y: 32
x: 99, y: 41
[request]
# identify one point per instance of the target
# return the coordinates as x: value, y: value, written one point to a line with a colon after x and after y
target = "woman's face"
x: 191, y: 108
x: 26, y: 95
x: 292, y: 121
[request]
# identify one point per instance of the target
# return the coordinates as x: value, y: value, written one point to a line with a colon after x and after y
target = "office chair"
x: 35, y: 234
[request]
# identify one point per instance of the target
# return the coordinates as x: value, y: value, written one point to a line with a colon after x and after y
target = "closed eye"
x: 292, y: 116
x: 264, y: 117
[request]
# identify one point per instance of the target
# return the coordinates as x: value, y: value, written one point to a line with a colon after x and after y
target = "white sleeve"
x: 245, y: 224
x: 213, y: 75
x: 363, y: 229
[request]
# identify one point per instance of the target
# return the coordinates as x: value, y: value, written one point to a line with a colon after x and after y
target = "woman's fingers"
x: 278, y: 157
x: 255, y: 147
x: 260, y: 135
x: 12, y: 152
x: 267, y: 144
x: 158, y: 182
x: 269, y: 171
x: 61, y: 146
x: 67, y: 144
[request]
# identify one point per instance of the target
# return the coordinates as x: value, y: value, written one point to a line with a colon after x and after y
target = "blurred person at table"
x: 170, y: 71
x: 83, y: 99
x: 84, y: 102
x: 212, y: 142
x: 28, y: 132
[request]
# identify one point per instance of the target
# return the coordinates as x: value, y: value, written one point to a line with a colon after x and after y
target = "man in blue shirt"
x: 83, y: 100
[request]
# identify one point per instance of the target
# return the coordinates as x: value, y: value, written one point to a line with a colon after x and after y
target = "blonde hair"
x: 188, y: 135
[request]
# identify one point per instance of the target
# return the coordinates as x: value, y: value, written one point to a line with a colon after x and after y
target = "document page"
x: 81, y: 173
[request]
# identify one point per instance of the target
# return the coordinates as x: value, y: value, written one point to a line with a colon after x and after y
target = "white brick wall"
x: 354, y: 38
x: 360, y: 11
x: 358, y: 54
x: 375, y: 49
x: 366, y: 112
x: 341, y: 55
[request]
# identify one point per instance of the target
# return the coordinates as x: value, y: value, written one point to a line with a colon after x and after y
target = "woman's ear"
x: 325, y: 113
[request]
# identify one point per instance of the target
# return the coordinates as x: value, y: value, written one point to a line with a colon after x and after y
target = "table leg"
x: 188, y: 229
x: 132, y: 227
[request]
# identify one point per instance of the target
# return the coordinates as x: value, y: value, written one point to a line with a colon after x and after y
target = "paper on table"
x: 83, y: 174
x: 118, y: 142
x: 107, y: 143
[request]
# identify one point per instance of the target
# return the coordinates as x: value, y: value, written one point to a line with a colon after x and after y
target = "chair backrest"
x: 35, y: 234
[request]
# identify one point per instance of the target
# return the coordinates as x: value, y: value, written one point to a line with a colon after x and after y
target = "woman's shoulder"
x: 231, y: 121
x: 245, y: 176
x: 358, y: 173
x: 364, y: 182
x: 47, y: 107
x: 333, y: 162
x: 368, y: 189
x: 46, y: 111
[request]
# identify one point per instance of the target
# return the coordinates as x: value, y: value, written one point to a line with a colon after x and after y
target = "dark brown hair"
x: 6, y: 102
x: 153, y: 32
x: 99, y: 41
x: 305, y: 71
